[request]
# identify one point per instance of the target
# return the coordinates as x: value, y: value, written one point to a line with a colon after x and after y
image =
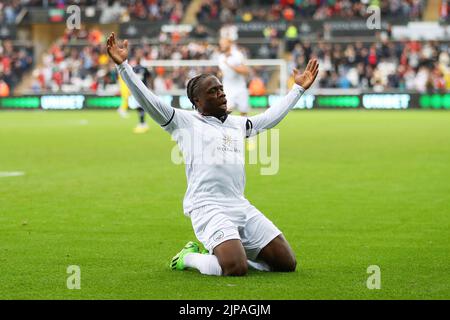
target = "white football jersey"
x: 213, y: 149
x: 214, y: 155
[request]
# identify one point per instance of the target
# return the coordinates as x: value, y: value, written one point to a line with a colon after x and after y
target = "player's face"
x: 211, y: 98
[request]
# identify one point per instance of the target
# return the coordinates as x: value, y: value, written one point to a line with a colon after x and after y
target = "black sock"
x: 141, y: 116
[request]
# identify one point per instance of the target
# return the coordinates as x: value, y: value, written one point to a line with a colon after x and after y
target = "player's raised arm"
x: 158, y: 110
x: 277, y: 112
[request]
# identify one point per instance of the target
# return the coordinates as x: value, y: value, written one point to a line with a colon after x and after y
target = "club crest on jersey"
x: 228, y: 144
x: 227, y: 140
x: 218, y: 236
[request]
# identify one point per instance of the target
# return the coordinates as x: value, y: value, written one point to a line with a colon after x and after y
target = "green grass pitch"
x: 355, y: 188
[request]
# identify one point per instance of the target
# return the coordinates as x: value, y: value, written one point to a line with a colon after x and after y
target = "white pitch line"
x: 11, y: 174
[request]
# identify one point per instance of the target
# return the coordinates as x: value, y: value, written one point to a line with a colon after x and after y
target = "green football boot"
x: 177, y: 262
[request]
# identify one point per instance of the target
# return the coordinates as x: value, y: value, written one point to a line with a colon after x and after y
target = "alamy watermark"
x: 374, y: 280
x: 74, y: 279
x: 374, y: 20
x: 227, y: 147
x: 73, y: 21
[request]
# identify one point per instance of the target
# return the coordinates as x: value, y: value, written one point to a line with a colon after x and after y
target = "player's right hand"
x: 118, y: 53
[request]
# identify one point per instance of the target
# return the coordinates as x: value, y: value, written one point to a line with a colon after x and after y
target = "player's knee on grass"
x: 283, y: 262
x: 279, y: 255
x: 287, y: 264
x: 232, y: 258
x: 235, y: 268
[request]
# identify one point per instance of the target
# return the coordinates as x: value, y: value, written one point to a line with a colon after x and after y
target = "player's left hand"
x: 307, y: 78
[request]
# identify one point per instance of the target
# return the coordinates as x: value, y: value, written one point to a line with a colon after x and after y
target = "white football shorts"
x: 215, y: 224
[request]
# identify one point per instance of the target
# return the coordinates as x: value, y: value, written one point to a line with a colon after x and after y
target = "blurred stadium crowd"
x: 122, y: 11
x: 408, y: 65
x: 226, y: 10
x: 316, y: 9
x: 77, y: 62
x: 14, y: 62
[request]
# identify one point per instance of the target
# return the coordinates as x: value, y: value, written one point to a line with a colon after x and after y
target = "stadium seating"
x: 275, y: 10
x: 413, y: 65
x: 152, y: 10
x: 14, y: 62
x: 9, y: 11
x: 410, y: 65
x: 73, y: 65
x: 77, y: 61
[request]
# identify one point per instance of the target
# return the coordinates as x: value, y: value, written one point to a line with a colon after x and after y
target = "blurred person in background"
x: 125, y: 95
x: 256, y: 86
x: 4, y: 88
x: 234, y: 72
x: 145, y: 76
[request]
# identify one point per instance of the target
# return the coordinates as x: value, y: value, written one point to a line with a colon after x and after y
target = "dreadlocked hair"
x: 192, y: 86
